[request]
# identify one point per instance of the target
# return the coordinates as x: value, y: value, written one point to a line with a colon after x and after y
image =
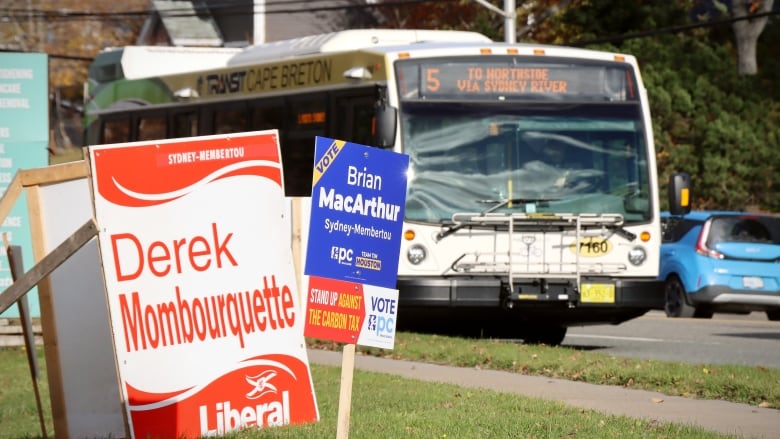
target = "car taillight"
x: 701, y: 243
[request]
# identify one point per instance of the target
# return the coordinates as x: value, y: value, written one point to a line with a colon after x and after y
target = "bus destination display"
x: 479, y: 80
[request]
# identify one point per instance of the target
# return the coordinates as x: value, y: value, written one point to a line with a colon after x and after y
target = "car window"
x: 674, y: 228
x: 744, y: 229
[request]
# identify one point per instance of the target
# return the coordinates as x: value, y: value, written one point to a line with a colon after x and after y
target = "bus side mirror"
x: 386, y: 117
x: 679, y: 193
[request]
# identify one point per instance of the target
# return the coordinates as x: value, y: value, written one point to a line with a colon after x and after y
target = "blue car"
x: 713, y: 261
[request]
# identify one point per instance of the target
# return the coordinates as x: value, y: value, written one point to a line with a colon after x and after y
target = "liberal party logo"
x: 260, y: 384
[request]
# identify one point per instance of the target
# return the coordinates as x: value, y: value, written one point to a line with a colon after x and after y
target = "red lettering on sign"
x: 186, y: 320
x: 197, y: 252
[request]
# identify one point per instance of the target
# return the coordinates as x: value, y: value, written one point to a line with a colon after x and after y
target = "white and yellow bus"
x: 532, y: 199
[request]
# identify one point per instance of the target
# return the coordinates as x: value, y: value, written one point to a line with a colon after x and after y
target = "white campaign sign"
x: 201, y: 287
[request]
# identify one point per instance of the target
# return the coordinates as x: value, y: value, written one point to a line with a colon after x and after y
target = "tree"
x: 72, y: 32
x: 721, y: 127
x: 534, y: 14
x: 746, y: 32
x: 571, y: 22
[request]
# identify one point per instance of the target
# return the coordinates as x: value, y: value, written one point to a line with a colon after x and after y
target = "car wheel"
x: 548, y: 335
x: 676, y: 306
x: 773, y: 315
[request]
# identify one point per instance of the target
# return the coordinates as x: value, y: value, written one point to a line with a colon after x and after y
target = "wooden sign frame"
x: 80, y: 364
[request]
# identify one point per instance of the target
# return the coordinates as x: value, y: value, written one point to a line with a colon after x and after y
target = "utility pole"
x: 258, y: 23
x: 510, y: 17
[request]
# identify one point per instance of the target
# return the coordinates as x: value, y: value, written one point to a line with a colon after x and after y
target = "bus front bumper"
x: 475, y: 292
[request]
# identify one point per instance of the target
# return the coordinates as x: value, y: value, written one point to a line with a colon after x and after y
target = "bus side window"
x: 185, y: 125
x: 306, y: 119
x: 298, y: 160
x: 308, y: 113
x: 115, y: 131
x: 230, y: 120
x: 267, y: 116
x: 355, y: 119
x: 152, y: 128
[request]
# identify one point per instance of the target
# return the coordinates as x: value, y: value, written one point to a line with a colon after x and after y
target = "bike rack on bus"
x: 582, y: 225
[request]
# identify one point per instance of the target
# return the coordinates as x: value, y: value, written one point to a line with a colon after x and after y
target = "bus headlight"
x: 416, y: 254
x: 637, y: 256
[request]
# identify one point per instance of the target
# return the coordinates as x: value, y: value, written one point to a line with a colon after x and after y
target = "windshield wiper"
x: 497, y: 204
x: 623, y: 232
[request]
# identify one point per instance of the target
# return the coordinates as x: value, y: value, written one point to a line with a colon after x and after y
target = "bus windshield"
x: 510, y: 156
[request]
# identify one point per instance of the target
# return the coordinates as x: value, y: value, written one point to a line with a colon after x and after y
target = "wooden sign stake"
x: 345, y: 393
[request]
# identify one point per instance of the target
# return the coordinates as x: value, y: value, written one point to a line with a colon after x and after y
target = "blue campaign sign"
x: 357, y: 211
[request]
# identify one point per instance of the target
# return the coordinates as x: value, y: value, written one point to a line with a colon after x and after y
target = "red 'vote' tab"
x: 335, y: 310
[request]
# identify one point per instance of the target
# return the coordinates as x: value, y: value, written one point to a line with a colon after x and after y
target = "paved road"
x: 723, y: 417
x: 750, y: 340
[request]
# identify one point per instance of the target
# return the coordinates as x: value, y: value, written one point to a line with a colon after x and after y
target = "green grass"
x: 387, y: 406
x: 755, y: 385
x: 18, y: 409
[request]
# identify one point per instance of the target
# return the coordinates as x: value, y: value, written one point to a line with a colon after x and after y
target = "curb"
x: 742, y: 420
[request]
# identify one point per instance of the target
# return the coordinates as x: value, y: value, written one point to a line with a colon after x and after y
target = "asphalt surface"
x: 719, y: 416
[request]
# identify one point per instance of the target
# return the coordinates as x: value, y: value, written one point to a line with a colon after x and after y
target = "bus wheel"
x: 676, y: 306
x: 549, y: 335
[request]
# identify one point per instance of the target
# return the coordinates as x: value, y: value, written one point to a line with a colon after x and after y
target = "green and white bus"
x: 532, y: 199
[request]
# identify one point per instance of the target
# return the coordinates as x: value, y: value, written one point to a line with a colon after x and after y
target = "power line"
x: 610, y: 39
x: 24, y: 15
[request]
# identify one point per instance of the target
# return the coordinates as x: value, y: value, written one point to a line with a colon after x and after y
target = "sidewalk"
x: 719, y: 416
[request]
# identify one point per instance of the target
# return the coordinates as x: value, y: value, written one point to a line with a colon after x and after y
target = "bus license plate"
x: 597, y: 293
